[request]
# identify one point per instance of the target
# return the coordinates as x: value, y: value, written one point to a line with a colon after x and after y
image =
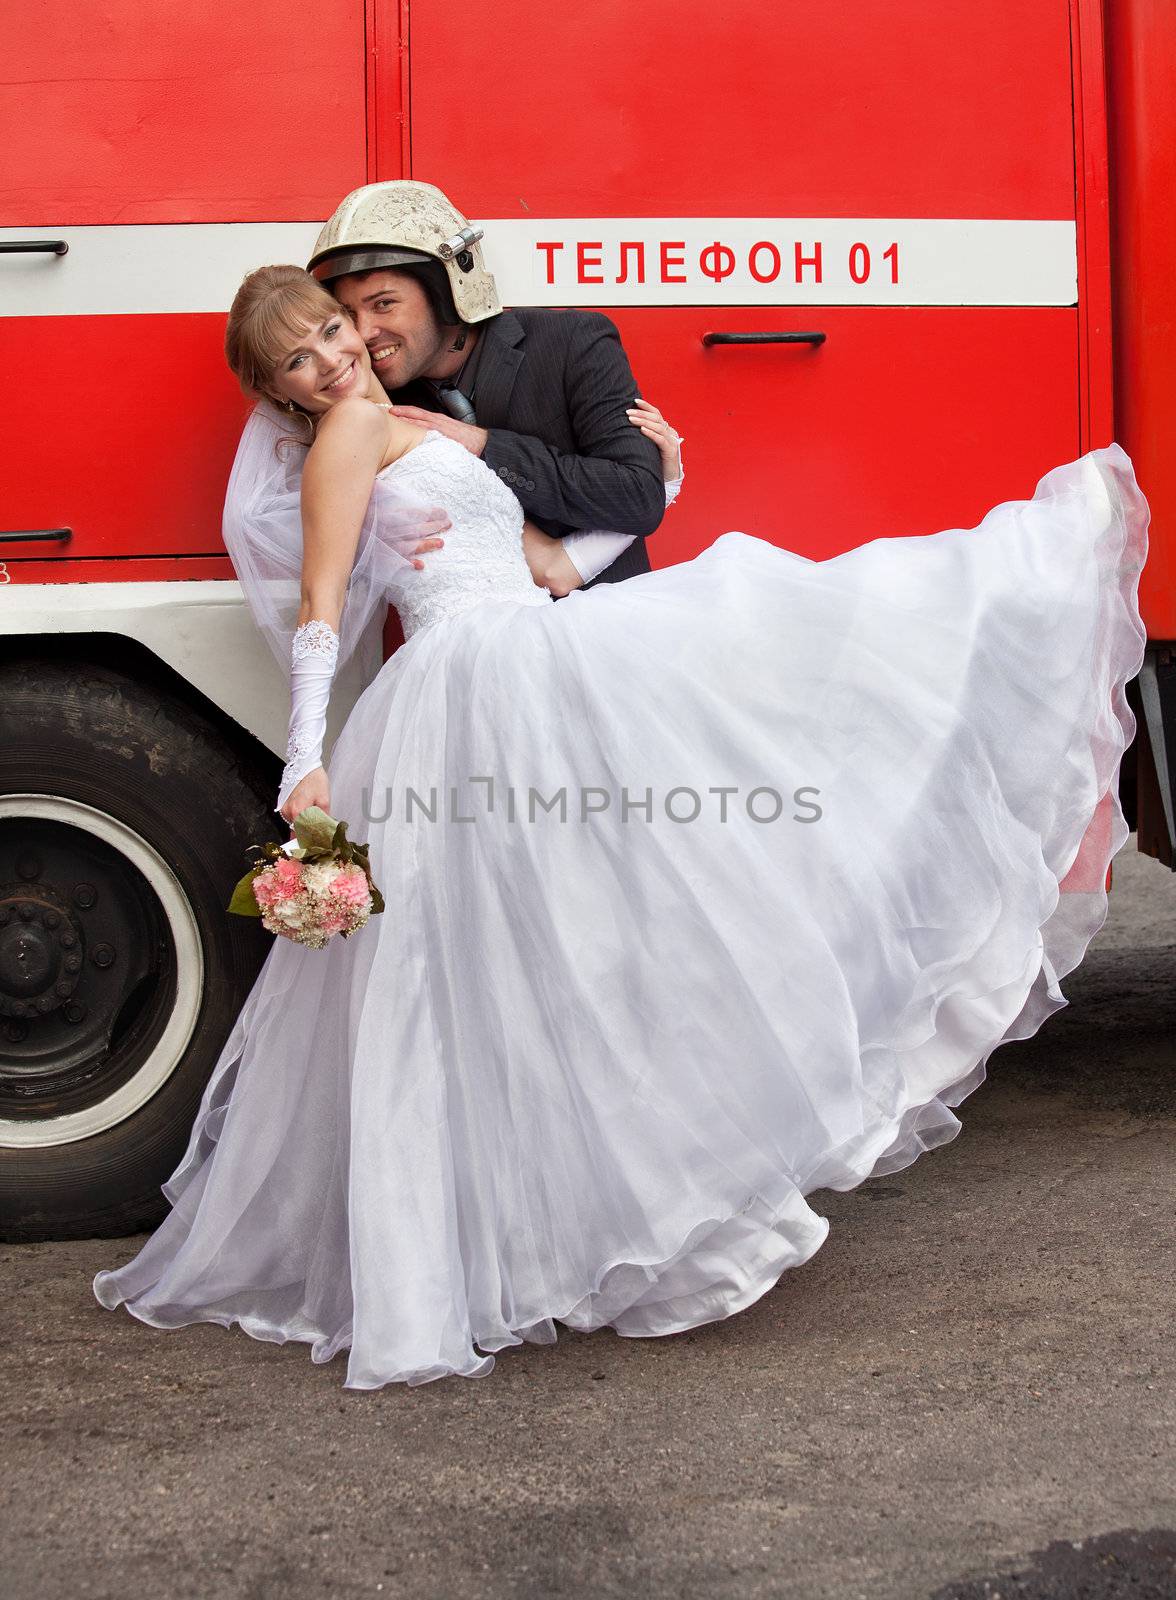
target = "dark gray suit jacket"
x: 552, y: 388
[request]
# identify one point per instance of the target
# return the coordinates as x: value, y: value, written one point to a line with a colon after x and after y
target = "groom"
x: 540, y: 395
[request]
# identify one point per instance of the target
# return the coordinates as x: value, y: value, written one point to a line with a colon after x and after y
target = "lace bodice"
x: 482, y: 557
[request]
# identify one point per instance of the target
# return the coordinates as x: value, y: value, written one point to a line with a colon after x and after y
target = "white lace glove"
x: 596, y: 549
x: 313, y: 657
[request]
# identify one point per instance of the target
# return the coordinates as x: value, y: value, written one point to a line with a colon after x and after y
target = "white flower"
x: 318, y: 876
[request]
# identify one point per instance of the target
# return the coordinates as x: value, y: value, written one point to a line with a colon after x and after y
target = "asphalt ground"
x: 967, y: 1394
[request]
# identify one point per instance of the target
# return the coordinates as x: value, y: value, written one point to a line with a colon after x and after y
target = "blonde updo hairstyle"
x: 273, y: 306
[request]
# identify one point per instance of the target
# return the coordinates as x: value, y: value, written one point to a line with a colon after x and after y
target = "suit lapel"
x: 502, y: 356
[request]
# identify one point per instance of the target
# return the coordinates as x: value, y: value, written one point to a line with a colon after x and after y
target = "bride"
x: 705, y: 891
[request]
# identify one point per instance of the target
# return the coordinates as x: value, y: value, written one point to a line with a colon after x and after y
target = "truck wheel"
x: 124, y: 821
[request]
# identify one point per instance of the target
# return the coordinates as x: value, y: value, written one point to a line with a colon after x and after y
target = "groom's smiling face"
x: 393, y: 317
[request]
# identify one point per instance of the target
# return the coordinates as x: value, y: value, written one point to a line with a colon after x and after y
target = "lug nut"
x: 85, y: 895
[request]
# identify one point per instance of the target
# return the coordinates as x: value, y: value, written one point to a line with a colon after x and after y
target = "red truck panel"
x: 907, y: 419
x: 909, y: 109
x: 1141, y: 62
x: 180, y: 113
x: 904, y: 421
x: 131, y: 471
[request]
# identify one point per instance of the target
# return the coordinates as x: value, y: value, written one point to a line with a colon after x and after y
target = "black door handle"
x: 25, y: 247
x: 763, y: 338
x: 19, y: 535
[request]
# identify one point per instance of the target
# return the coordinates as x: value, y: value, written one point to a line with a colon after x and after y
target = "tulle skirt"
x: 830, y: 833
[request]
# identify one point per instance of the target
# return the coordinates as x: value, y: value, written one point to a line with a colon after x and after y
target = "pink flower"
x: 263, y: 888
x: 287, y: 877
x: 350, y: 888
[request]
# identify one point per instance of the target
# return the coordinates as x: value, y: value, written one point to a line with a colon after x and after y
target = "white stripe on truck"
x: 585, y: 261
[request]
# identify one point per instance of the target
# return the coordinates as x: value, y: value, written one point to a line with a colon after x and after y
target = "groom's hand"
x: 413, y: 531
x: 465, y: 433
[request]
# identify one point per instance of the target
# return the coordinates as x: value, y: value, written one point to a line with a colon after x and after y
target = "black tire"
x: 96, y: 937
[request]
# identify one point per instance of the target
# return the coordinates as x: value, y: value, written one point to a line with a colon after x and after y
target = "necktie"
x: 455, y: 403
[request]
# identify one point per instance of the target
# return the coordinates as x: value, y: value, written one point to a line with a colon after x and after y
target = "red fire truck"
x: 882, y: 265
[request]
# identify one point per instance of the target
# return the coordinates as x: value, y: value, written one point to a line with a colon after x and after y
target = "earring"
x: 303, y: 416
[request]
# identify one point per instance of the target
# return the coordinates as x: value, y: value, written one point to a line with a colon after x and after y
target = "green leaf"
x: 314, y: 830
x: 244, y: 901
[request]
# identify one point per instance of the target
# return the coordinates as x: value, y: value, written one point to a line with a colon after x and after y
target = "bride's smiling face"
x: 324, y: 365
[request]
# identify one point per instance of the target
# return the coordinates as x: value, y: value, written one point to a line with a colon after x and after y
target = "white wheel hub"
x: 157, y: 1068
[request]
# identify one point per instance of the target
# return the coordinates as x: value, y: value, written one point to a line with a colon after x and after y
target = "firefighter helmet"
x: 401, y: 224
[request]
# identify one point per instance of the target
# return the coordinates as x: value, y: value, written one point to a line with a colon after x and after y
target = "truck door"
x: 169, y: 149
x: 898, y: 178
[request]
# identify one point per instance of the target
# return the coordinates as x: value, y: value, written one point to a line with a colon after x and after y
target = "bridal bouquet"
x: 316, y: 885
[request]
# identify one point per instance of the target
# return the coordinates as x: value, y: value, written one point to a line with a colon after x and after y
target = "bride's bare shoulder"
x: 402, y: 434
x: 358, y: 423
x: 354, y: 419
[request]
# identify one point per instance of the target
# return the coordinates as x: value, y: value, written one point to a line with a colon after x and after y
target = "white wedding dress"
x: 591, y: 1071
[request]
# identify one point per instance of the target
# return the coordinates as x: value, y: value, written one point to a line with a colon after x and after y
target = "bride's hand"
x: 313, y: 790
x: 551, y: 566
x: 654, y: 426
